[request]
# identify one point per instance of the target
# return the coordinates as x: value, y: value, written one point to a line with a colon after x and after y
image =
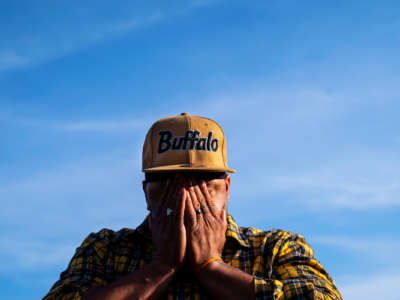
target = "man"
x: 189, y: 247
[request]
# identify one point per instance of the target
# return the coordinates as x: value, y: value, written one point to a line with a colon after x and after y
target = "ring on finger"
x: 198, y: 211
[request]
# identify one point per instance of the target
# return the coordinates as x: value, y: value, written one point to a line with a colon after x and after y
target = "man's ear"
x: 144, y: 183
x: 227, y: 184
x: 144, y: 186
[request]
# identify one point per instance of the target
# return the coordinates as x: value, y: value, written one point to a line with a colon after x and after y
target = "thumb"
x: 223, y: 216
x: 181, y: 205
x: 224, y: 220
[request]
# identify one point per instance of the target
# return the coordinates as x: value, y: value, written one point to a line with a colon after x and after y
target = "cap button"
x: 184, y: 114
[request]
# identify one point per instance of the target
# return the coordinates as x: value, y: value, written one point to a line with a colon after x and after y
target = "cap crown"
x: 185, y: 143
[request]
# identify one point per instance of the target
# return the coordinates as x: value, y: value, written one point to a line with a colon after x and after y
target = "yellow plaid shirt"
x: 282, y: 264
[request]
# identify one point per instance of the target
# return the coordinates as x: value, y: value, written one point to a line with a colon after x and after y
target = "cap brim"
x: 186, y: 168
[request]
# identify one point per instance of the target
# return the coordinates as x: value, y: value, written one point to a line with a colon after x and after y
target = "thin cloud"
x: 127, y: 25
x: 321, y: 192
x: 375, y: 248
x: 111, y: 126
x: 373, y: 251
x: 41, y: 48
x: 342, y: 192
x: 10, y: 59
x: 106, y: 189
x: 382, y: 286
x: 104, y: 126
x: 204, y: 2
x: 23, y: 254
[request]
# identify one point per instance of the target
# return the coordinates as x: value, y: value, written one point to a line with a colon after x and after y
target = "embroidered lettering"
x: 190, y: 141
x: 165, y: 137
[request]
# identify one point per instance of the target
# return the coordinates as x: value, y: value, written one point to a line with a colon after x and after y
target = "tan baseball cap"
x: 185, y: 143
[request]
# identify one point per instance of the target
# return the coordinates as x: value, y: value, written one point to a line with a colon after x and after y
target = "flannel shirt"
x: 282, y: 264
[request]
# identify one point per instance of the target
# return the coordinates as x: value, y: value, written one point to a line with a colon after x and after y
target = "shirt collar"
x: 144, y: 228
x: 233, y: 232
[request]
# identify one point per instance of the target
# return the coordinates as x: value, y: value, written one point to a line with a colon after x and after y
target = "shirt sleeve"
x: 85, y: 270
x: 296, y: 274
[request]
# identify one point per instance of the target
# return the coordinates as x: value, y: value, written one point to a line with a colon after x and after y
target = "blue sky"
x: 307, y: 93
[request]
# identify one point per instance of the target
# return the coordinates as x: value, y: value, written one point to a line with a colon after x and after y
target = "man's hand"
x: 168, y: 231
x: 205, y: 230
x: 169, y: 241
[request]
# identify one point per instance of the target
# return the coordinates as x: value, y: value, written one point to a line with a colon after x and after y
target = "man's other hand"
x: 206, y: 224
x: 167, y: 226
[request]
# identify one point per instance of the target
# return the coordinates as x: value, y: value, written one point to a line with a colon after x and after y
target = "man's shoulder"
x: 107, y: 233
x: 255, y: 238
x: 273, y: 237
x: 272, y: 233
x: 106, y: 237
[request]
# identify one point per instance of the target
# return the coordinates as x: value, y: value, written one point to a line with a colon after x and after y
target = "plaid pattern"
x: 283, y: 265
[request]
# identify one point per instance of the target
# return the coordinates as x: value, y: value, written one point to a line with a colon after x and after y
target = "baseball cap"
x: 185, y: 143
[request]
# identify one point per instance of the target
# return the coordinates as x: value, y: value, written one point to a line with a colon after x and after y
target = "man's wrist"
x: 203, y: 265
x: 211, y: 266
x: 163, y: 268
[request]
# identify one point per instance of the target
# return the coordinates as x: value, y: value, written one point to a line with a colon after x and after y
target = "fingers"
x: 191, y: 189
x: 201, y: 199
x: 190, y: 213
x: 223, y: 218
x: 180, y: 205
x: 164, y: 196
x: 208, y: 199
x: 169, y: 200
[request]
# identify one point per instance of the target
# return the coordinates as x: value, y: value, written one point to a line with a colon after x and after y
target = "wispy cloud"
x: 100, y: 191
x: 41, y: 44
x: 204, y: 2
x: 324, y: 189
x: 336, y: 186
x: 383, y: 286
x: 104, y: 126
x: 382, y: 249
x: 44, y: 46
x: 10, y: 59
x: 117, y: 28
x: 127, y: 25
x: 373, y: 251
x: 27, y: 254
x: 112, y: 126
